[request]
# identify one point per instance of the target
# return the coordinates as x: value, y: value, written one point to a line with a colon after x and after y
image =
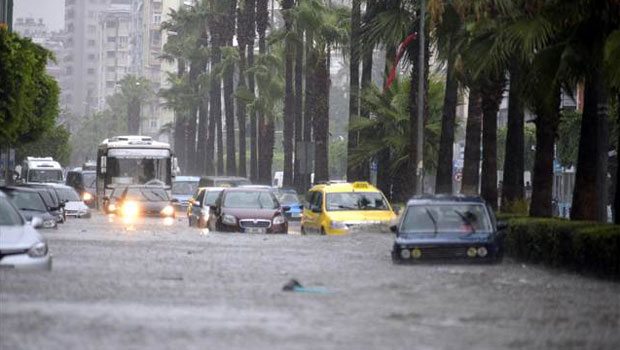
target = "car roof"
x: 248, y: 188
x: 211, y: 188
x: 359, y: 186
x: 444, y: 198
x: 18, y: 188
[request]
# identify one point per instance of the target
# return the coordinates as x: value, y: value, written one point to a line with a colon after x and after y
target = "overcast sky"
x: 52, y: 11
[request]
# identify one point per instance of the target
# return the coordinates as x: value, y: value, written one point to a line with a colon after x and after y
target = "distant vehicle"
x: 448, y: 228
x: 138, y: 201
x: 223, y: 181
x: 290, y: 198
x: 340, y: 208
x: 183, y: 187
x: 133, y: 160
x: 248, y: 210
x: 200, y: 204
x: 278, y: 179
x: 73, y: 205
x: 85, y: 183
x: 31, y: 205
x: 51, y: 198
x: 21, y: 246
x: 41, y: 170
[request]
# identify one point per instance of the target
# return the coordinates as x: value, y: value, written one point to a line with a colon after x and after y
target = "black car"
x: 55, y: 205
x: 452, y: 228
x: 30, y: 204
x: 139, y: 200
x: 84, y: 182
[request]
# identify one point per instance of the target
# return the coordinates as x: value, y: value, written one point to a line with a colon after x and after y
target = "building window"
x: 91, y: 14
x: 153, y: 123
x: 91, y: 71
x: 122, y: 40
x: 111, y: 69
x: 91, y: 43
x: 111, y: 39
x: 91, y: 57
x: 110, y: 84
x: 110, y: 24
x: 69, y: 70
x: 111, y: 54
x: 92, y: 28
x: 156, y: 19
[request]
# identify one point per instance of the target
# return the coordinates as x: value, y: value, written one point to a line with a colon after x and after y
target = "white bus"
x: 41, y: 170
x: 133, y: 160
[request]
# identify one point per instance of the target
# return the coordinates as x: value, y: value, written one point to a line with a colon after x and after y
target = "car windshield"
x: 67, y: 195
x: 250, y: 200
x: 287, y: 198
x: 211, y: 197
x: 28, y: 201
x: 184, y: 187
x: 8, y: 215
x: 48, y: 175
x: 89, y: 179
x: 446, y: 218
x: 147, y: 194
x: 356, y: 201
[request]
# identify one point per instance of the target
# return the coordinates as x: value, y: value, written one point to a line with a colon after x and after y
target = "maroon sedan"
x: 249, y: 210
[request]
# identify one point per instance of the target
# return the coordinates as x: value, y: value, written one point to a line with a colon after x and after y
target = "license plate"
x: 255, y: 230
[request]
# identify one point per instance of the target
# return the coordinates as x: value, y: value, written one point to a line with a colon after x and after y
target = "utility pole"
x: 420, y: 131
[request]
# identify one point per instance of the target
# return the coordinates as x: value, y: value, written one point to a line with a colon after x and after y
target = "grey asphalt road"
x: 153, y: 286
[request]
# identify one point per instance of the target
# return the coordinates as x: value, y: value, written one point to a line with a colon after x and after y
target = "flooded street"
x: 173, y: 287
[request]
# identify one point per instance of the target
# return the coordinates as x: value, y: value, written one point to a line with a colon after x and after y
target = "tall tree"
x: 228, y: 77
x: 471, y: 165
x: 491, y: 89
x: 354, y: 84
x: 252, y: 27
x: 288, y: 134
x: 266, y: 127
x: 299, y: 61
x: 134, y: 90
x: 244, y: 32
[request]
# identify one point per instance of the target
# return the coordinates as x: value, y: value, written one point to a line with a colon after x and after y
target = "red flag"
x: 399, y: 54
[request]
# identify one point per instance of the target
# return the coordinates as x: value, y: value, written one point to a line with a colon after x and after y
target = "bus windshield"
x: 46, y: 175
x: 133, y: 171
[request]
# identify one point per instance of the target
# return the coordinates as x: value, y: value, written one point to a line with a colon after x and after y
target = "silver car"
x: 21, y: 246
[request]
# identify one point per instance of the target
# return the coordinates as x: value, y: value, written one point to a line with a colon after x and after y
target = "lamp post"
x: 420, y: 131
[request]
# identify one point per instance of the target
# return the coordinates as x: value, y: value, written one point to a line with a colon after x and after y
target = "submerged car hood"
x: 443, y: 238
x: 18, y: 237
x: 243, y: 213
x: 29, y: 214
x: 361, y: 215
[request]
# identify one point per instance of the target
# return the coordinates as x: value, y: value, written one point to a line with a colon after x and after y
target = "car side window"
x: 200, y: 196
x: 318, y: 200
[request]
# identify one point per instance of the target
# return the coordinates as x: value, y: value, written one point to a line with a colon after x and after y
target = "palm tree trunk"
x: 542, y: 181
x: 133, y: 116
x: 251, y: 6
x: 229, y: 88
x: 215, y: 110
x: 443, y: 183
x: 289, y: 98
x: 354, y: 86
x: 241, y: 114
x: 617, y: 198
x: 310, y: 102
x: 203, y: 133
x: 590, y: 193
x: 266, y: 128
x: 299, y: 61
x: 321, y: 121
x: 192, y: 156
x: 180, y: 141
x: 363, y: 171
x: 491, y: 97
x: 512, y: 184
x: 471, y: 165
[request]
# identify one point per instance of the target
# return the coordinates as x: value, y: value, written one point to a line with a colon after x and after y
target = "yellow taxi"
x: 341, y: 208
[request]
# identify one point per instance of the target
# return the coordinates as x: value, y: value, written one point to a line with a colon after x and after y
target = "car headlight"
x: 279, y: 220
x: 229, y: 219
x: 130, y: 209
x: 87, y: 196
x: 112, y: 207
x: 471, y: 252
x: 338, y: 225
x: 38, y: 250
x: 49, y: 223
x: 405, y: 253
x: 482, y: 252
x: 167, y: 211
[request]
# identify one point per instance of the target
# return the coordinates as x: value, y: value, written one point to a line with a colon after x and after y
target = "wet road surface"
x: 159, y: 286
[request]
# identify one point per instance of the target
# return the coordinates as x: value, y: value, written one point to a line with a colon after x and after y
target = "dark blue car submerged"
x: 452, y: 228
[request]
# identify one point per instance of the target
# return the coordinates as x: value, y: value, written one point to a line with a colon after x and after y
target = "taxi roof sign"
x: 361, y: 184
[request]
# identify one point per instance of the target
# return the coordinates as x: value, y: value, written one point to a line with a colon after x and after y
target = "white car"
x: 21, y: 246
x: 74, y: 205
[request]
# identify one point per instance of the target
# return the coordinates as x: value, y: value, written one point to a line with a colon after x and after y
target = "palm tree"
x: 228, y: 77
x: 299, y: 57
x: 266, y: 128
x: 134, y: 91
x: 289, y: 97
x: 250, y: 30
x: 471, y: 164
x: 354, y: 84
x: 244, y: 32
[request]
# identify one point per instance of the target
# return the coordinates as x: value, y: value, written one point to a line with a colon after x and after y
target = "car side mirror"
x: 396, y: 209
x: 502, y: 225
x: 213, y: 208
x: 36, y: 222
x: 315, y: 209
x: 286, y: 208
x: 394, y: 228
x: 197, y: 203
